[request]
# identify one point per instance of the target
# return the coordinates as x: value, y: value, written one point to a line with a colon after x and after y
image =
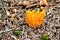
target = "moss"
x: 17, y: 32
x: 44, y: 37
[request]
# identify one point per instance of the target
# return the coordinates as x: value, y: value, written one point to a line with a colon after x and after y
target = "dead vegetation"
x: 50, y: 26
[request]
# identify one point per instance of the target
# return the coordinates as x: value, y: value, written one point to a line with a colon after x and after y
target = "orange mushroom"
x: 35, y: 18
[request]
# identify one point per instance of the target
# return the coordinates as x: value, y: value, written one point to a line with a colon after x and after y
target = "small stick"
x: 32, y: 5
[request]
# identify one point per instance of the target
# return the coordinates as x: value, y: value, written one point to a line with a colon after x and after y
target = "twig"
x: 13, y: 37
x: 5, y: 31
x: 33, y: 5
x: 58, y: 26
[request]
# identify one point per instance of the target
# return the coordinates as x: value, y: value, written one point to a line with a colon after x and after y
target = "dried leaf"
x: 43, y: 2
x: 12, y: 17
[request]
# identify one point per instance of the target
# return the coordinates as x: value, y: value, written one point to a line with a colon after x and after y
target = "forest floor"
x: 50, y: 26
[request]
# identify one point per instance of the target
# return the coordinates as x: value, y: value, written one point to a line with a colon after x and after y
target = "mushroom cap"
x: 35, y: 18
